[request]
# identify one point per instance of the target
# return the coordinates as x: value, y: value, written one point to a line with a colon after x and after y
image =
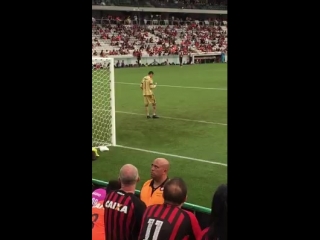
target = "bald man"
x: 152, y: 190
x: 168, y: 221
x: 123, y: 210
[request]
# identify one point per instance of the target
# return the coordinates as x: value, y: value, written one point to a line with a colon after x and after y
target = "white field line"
x: 172, y: 118
x: 173, y: 155
x: 203, y: 88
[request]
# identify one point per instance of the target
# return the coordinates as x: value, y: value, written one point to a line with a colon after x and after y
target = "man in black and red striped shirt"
x: 123, y: 210
x: 168, y: 221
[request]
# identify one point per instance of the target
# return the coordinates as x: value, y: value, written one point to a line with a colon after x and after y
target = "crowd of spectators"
x: 117, y: 213
x: 183, y: 4
x: 123, y: 36
x: 191, y: 4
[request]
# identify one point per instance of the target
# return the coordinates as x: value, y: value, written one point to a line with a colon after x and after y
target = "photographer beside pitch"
x: 147, y: 85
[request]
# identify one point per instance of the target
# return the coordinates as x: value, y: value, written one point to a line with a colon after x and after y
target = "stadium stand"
x: 182, y: 4
x: 124, y: 36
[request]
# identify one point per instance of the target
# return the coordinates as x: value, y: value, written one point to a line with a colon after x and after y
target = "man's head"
x: 219, y: 203
x: 128, y: 175
x: 219, y: 214
x: 159, y: 169
x: 113, y: 185
x: 175, y: 191
x: 150, y: 74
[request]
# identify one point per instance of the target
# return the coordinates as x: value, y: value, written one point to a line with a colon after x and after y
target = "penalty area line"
x: 172, y: 118
x: 173, y: 155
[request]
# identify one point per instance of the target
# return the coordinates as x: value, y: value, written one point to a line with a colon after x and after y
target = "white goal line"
x: 203, y: 88
x: 173, y: 155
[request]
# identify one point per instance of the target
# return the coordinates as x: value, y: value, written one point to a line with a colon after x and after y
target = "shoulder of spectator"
x: 191, y: 215
x: 147, y: 183
x: 203, y: 233
x: 139, y: 205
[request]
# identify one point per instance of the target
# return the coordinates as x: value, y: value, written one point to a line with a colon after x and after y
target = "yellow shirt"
x: 147, y: 86
x: 150, y: 195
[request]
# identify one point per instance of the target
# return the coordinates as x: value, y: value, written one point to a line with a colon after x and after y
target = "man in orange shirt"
x: 98, y: 196
x: 152, y: 190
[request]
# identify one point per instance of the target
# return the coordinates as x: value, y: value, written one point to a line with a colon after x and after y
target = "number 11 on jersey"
x: 151, y: 223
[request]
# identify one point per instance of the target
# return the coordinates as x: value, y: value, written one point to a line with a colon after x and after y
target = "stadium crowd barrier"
x: 202, y: 213
x: 148, y: 60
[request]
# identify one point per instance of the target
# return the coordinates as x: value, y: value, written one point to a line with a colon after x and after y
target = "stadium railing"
x: 160, y: 60
x: 202, y: 213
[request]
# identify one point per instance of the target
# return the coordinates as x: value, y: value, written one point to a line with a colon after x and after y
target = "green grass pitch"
x: 192, y: 101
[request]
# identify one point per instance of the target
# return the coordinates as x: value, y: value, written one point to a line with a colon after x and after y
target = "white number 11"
x: 156, y: 231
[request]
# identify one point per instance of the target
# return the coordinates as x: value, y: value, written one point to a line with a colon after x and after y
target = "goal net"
x: 103, y: 103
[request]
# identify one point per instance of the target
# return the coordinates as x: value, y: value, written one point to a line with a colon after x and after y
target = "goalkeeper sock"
x: 95, y: 151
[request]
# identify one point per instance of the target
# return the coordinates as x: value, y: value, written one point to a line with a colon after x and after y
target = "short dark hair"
x: 219, y: 209
x: 175, y: 191
x: 113, y: 185
x: 150, y: 73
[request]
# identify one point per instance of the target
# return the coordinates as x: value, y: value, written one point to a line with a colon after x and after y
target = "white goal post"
x: 103, y: 103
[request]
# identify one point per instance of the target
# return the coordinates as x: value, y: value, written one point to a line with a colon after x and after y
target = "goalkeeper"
x: 147, y: 85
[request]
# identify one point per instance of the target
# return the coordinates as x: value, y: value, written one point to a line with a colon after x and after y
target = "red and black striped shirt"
x: 123, y: 215
x: 204, y: 234
x: 169, y: 222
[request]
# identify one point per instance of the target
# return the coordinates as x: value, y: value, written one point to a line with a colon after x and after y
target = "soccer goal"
x: 103, y: 103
